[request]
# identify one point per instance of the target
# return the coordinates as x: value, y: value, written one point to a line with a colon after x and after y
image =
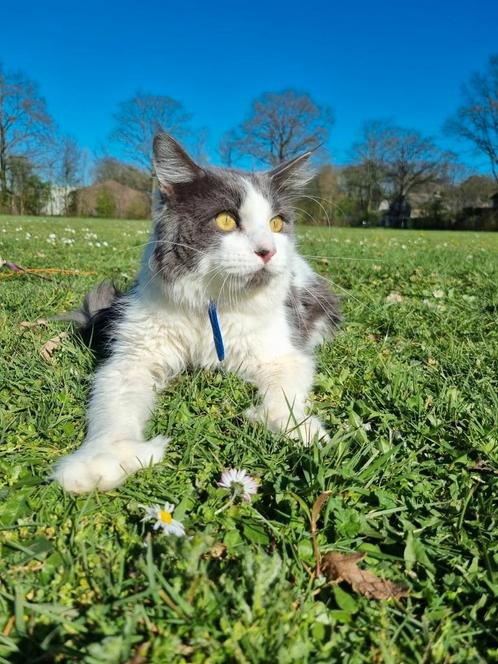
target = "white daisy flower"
x: 164, y: 519
x: 239, y: 483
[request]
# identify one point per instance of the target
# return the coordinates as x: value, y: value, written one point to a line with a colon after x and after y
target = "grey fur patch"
x: 102, y: 308
x: 307, y: 308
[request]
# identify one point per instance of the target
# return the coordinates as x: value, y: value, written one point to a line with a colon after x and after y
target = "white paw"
x: 304, y: 429
x: 256, y: 414
x: 104, y: 466
x: 309, y: 431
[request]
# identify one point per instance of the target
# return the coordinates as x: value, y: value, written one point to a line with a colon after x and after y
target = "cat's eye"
x: 276, y: 224
x: 225, y: 222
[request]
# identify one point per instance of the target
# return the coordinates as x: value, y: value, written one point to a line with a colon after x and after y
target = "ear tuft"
x: 172, y: 164
x: 292, y: 176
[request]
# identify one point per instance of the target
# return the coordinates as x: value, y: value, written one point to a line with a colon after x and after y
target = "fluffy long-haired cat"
x: 223, y: 241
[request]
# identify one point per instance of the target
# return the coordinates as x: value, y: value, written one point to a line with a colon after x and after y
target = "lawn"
x: 408, y: 390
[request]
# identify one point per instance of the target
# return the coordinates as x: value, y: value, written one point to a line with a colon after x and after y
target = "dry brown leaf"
x: 28, y: 324
x: 218, y: 550
x: 9, y: 625
x: 47, y: 350
x: 339, y: 567
x: 140, y: 654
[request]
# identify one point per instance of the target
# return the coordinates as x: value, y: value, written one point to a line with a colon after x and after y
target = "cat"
x: 222, y: 239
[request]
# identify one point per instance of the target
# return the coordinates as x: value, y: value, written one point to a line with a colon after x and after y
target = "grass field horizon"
x: 409, y: 393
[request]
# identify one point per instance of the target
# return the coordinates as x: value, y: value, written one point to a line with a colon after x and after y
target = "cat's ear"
x: 172, y: 164
x: 292, y: 176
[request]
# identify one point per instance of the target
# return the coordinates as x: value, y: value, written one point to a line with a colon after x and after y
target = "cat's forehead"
x: 226, y: 189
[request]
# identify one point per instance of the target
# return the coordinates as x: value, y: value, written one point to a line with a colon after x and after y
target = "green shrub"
x: 105, y: 206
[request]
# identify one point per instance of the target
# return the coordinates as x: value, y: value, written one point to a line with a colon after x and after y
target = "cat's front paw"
x: 306, y: 430
x: 309, y: 431
x: 104, y: 466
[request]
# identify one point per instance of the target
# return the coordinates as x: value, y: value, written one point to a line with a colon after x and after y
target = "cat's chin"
x: 253, y: 280
x: 259, y: 279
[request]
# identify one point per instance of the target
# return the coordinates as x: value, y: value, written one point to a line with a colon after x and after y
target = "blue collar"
x: 215, y: 325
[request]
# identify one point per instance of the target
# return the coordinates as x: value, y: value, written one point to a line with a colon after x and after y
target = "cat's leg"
x: 122, y: 399
x: 284, y: 383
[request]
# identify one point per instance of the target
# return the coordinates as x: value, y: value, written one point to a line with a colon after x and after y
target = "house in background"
x: 58, y: 201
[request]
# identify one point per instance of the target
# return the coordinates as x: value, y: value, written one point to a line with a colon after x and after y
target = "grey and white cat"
x: 219, y: 235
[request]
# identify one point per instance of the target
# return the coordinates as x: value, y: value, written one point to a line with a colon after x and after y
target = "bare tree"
x: 476, y: 120
x: 26, y: 128
x: 281, y: 125
x: 400, y: 160
x: 71, y: 157
x: 364, y: 183
x: 140, y: 118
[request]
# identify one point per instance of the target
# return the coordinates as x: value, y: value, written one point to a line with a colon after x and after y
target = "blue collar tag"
x: 217, y: 336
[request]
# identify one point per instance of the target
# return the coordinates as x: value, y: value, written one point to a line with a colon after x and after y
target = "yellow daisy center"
x: 165, y: 517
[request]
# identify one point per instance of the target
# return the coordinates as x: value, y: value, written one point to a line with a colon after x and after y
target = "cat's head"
x: 230, y: 230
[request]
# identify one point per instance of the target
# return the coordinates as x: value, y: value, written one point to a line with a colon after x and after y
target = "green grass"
x: 84, y: 580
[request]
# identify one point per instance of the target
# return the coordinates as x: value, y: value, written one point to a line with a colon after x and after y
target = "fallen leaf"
x: 140, y: 654
x: 9, y: 625
x: 47, y: 350
x: 40, y: 321
x: 339, y: 567
x: 218, y: 550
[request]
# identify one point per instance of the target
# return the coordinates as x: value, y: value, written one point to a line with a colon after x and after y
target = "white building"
x: 58, y: 201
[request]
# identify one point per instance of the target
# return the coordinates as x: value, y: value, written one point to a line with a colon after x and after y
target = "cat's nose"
x: 265, y: 254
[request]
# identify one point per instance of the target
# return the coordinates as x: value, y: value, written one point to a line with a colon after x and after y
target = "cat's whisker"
x: 223, y: 285
x: 347, y: 292
x: 303, y: 211
x: 214, y: 271
x: 295, y: 306
x: 327, y: 201
x: 320, y: 301
x: 312, y: 198
x: 345, y: 258
x: 234, y: 294
x: 178, y: 244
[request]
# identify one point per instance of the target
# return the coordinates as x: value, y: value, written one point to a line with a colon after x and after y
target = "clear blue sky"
x: 365, y: 59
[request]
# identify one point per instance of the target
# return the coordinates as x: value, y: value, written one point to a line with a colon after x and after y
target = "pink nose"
x: 266, y: 254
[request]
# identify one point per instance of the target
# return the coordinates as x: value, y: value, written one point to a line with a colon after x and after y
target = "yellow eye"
x: 276, y: 224
x: 225, y: 221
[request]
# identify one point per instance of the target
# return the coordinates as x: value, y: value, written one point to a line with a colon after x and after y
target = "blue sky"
x: 365, y: 59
